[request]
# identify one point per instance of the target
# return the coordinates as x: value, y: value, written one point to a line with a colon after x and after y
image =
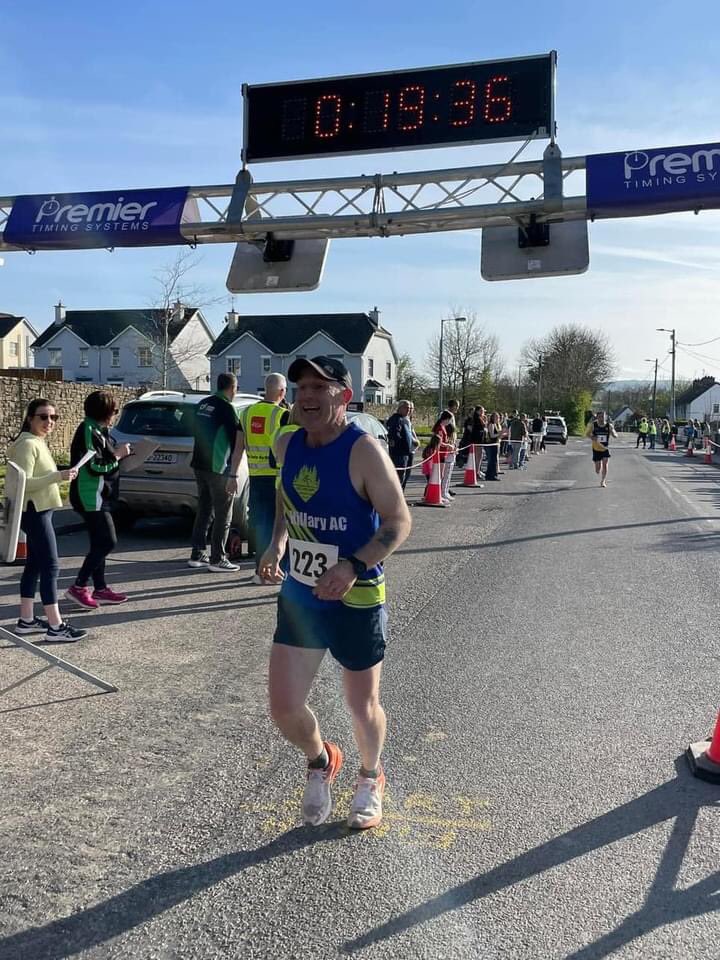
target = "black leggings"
x: 42, y: 556
x: 103, y: 538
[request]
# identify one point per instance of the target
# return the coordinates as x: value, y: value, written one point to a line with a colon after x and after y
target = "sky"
x: 97, y: 96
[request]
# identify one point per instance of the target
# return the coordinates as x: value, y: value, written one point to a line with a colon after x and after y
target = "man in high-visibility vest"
x: 258, y: 425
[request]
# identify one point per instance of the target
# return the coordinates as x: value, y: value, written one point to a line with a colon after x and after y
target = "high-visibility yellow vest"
x: 288, y: 428
x: 259, y: 423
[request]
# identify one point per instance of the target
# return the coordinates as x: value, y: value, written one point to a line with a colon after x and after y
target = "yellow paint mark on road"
x: 434, y: 736
x: 420, y: 820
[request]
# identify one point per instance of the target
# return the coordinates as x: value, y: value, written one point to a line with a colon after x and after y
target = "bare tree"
x: 174, y: 293
x: 571, y: 359
x: 471, y: 357
x: 410, y: 383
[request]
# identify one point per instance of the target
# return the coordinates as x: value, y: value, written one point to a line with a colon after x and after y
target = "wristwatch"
x: 359, y: 566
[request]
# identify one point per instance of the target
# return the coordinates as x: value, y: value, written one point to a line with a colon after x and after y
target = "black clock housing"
x: 490, y: 101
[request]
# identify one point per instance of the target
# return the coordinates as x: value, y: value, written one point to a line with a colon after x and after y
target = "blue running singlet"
x: 326, y: 520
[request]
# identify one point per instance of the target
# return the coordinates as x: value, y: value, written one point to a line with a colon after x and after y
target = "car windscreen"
x: 555, y: 422
x: 157, y: 419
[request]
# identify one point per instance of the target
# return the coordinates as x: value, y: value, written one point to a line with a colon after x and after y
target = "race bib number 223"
x: 310, y: 560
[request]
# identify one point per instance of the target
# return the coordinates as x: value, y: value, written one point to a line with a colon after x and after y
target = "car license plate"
x: 160, y: 457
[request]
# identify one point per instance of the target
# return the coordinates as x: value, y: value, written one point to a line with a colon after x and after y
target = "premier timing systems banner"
x: 108, y: 218
x: 654, y: 181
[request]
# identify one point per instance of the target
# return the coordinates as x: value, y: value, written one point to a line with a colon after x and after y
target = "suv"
x: 556, y: 429
x: 164, y: 484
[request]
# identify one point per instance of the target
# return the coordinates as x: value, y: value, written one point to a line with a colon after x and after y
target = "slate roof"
x: 698, y: 388
x: 98, y: 327
x: 7, y: 323
x: 283, y: 333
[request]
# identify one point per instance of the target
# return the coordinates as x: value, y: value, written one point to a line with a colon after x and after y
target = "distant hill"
x: 620, y: 385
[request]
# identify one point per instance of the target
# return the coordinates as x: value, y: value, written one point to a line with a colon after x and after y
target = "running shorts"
x: 355, y: 637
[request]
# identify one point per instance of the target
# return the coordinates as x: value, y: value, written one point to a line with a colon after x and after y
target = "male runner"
x: 601, y: 430
x: 340, y: 513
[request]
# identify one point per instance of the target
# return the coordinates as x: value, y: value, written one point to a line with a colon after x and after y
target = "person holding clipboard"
x: 98, y: 461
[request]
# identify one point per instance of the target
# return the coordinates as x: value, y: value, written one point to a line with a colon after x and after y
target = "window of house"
x: 716, y: 409
x: 388, y: 371
x: 233, y: 365
x: 84, y: 362
x: 144, y: 356
x: 13, y: 348
x: 114, y: 356
x: 55, y: 357
x: 265, y: 365
x: 371, y: 367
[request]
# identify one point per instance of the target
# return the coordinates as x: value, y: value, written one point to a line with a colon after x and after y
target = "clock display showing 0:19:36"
x: 405, y: 110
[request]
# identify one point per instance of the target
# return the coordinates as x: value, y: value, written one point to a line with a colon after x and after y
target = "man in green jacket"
x: 643, y: 429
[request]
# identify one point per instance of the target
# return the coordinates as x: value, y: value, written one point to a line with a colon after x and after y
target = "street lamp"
x: 654, y: 385
x: 672, y: 375
x: 443, y: 321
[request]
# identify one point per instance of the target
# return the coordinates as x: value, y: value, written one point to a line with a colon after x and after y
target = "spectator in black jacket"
x: 400, y: 440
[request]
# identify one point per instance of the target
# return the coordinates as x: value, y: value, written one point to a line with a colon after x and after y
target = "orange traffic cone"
x: 21, y: 549
x: 470, y: 475
x: 708, y: 453
x: 673, y: 445
x: 433, y: 496
x: 704, y: 756
x: 690, y: 451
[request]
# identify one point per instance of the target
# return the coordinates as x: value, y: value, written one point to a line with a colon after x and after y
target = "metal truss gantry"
x: 384, y: 205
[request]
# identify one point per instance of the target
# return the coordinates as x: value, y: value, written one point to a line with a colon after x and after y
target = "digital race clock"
x: 434, y: 106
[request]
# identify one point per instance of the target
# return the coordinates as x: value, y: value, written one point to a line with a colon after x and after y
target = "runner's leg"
x: 292, y: 671
x: 362, y: 695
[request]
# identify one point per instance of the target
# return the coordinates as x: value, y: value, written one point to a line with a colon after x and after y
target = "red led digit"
x: 327, y: 115
x: 462, y: 108
x: 411, y: 107
x: 498, y: 105
x: 376, y: 116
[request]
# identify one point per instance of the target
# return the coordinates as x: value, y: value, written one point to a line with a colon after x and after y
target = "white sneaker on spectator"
x: 223, y: 566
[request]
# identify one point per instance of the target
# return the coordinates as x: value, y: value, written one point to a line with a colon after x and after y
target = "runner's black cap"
x: 326, y: 367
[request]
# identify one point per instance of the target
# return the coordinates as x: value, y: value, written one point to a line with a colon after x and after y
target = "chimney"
x: 178, y: 310
x: 231, y: 319
x: 374, y: 315
x: 59, y: 314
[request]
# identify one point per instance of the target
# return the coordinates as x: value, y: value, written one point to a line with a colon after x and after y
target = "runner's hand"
x: 232, y: 487
x: 68, y: 474
x: 269, y: 566
x: 335, y: 582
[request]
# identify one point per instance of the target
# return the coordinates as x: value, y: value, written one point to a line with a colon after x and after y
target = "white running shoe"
x: 223, y: 566
x: 366, y: 806
x: 317, y: 798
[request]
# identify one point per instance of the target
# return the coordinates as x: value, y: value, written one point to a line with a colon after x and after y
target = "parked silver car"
x: 163, y: 483
x: 556, y: 429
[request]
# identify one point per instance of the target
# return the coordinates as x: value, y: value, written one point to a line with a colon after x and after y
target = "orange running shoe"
x: 366, y: 806
x: 317, y: 798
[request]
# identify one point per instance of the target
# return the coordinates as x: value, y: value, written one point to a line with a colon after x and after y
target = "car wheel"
x: 563, y: 441
x: 124, y: 519
x: 240, y: 522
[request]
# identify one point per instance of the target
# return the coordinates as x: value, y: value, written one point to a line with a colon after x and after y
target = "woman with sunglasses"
x: 90, y: 497
x: 30, y: 451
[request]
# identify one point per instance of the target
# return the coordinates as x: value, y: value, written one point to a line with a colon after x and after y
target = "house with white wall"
x: 253, y: 346
x: 701, y: 401
x: 127, y: 347
x: 16, y: 336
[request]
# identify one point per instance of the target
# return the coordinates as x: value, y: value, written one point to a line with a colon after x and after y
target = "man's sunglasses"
x: 48, y: 416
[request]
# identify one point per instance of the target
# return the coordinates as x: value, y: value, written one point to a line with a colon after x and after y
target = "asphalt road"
x: 553, y: 651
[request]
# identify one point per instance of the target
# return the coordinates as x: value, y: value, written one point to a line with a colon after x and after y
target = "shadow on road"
x: 552, y: 536
x: 96, y: 925
x: 680, y: 799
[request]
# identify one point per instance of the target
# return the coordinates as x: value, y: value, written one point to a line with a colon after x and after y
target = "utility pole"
x: 654, y: 390
x: 540, y: 369
x: 672, y: 374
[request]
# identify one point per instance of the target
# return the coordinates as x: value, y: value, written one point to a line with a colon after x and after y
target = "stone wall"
x: 17, y: 392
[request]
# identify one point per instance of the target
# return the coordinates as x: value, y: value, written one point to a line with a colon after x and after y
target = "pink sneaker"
x: 82, y: 596
x: 106, y: 595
